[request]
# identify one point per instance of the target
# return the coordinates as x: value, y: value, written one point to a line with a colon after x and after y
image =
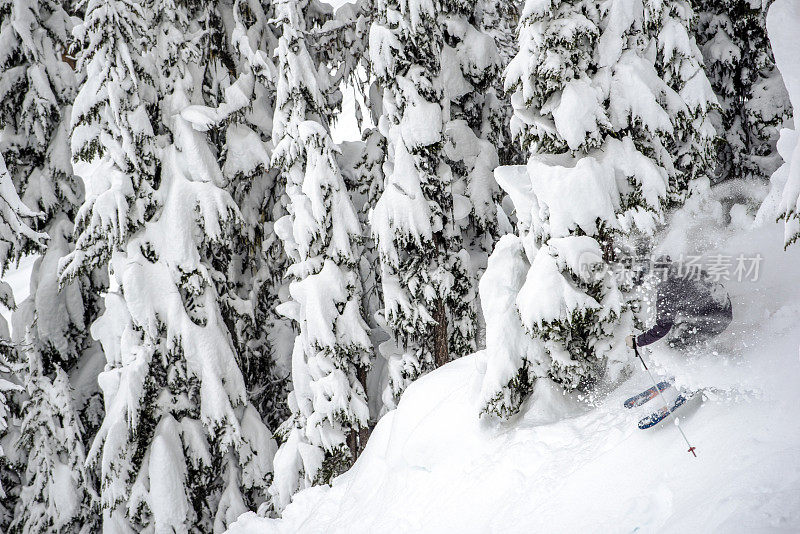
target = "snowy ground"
x: 569, y: 465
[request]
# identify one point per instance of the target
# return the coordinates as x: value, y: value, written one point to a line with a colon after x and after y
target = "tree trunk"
x: 357, y: 439
x: 352, y: 444
x: 440, y: 350
x: 441, y: 354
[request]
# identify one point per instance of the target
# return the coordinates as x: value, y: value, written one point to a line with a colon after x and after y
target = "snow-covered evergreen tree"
x: 58, y: 493
x: 9, y: 486
x: 15, y: 236
x: 111, y: 120
x: 180, y: 448
x: 611, y: 100
x: 499, y: 19
x: 320, y: 235
x: 238, y: 118
x: 590, y: 47
x: 679, y: 63
x: 240, y: 127
x: 32, y: 86
x: 436, y: 69
x: 361, y: 164
x: 35, y: 82
x: 783, y: 201
x: 733, y: 37
x: 58, y: 418
x: 263, y: 336
x: 471, y: 66
x: 51, y: 325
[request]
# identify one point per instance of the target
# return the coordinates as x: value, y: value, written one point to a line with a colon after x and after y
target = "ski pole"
x: 660, y: 394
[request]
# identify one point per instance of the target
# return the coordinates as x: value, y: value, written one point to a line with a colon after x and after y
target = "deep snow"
x: 567, y: 464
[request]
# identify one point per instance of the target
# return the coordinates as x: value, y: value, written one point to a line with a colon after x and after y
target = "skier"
x: 691, y: 307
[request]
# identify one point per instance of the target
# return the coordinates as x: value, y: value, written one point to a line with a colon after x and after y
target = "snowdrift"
x: 570, y: 464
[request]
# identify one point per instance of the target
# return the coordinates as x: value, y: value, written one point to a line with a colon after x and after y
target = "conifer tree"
x: 238, y: 119
x: 611, y: 101
x: 499, y: 19
x: 261, y: 334
x: 58, y: 418
x: 361, y: 164
x: 15, y: 236
x: 753, y: 101
x: 180, y: 448
x: 58, y: 493
x: 405, y: 45
x: 471, y: 66
x: 320, y: 235
x: 111, y: 121
x: 783, y: 200
x: 28, y: 110
x: 50, y: 326
x: 434, y: 67
x: 9, y: 486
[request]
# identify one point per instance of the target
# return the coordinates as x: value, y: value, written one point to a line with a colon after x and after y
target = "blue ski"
x: 656, y: 417
x: 648, y: 394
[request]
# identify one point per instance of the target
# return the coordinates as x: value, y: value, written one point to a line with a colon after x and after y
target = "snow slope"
x: 567, y: 464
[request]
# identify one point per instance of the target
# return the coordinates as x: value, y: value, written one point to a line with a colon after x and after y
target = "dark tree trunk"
x: 352, y: 444
x: 357, y: 439
x: 441, y: 354
x: 363, y: 434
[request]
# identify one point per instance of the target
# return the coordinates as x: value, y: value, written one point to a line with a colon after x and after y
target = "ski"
x: 658, y: 416
x: 648, y: 394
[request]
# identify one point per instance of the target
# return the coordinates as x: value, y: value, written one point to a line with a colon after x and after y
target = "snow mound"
x: 571, y: 464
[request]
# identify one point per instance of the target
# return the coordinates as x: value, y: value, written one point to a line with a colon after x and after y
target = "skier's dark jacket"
x: 690, y: 299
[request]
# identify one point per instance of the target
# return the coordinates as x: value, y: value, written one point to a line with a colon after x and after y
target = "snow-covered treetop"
x: 589, y: 75
x: 36, y: 85
x: 35, y: 80
x: 584, y: 55
x: 111, y: 120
